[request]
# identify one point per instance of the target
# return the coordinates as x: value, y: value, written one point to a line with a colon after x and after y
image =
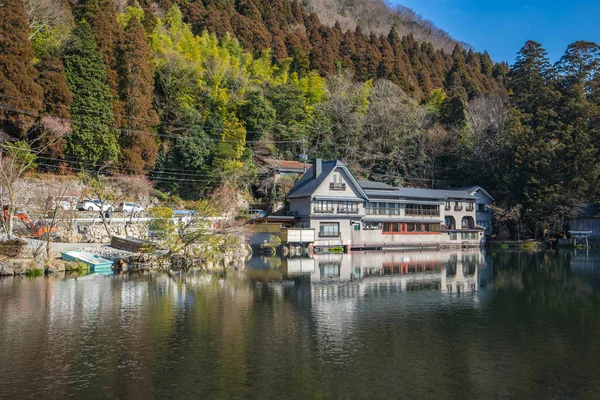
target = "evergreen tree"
x: 57, y: 99
x: 360, y: 58
x: 108, y: 35
x: 373, y: 55
x: 92, y: 140
x: 20, y: 95
x: 539, y: 180
x: 347, y: 51
x: 386, y: 66
x: 139, y: 148
x: 257, y: 114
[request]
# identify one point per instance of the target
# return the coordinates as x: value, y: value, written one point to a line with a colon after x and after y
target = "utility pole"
x: 304, y: 156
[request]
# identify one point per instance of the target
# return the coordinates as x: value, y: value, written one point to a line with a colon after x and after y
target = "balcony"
x: 470, y: 207
x: 323, y: 210
x: 458, y: 208
x: 430, y: 213
x: 382, y: 211
x: 337, y: 186
x: 447, y: 208
x: 329, y: 234
x: 347, y: 211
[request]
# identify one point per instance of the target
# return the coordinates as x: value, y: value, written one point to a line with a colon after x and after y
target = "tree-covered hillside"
x: 195, y: 93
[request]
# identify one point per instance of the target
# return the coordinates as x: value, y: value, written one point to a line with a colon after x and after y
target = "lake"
x: 416, y: 325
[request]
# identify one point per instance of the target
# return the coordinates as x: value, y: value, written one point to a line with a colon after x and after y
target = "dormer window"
x: 337, y: 183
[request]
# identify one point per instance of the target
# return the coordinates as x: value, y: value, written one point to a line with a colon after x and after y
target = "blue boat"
x: 96, y: 263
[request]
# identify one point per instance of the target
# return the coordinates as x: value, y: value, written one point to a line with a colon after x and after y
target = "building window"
x: 393, y: 228
x: 329, y: 270
x: 450, y: 222
x: 469, y: 235
x: 323, y: 206
x: 458, y: 206
x: 453, y: 236
x: 356, y: 226
x: 382, y: 209
x: 420, y: 209
x: 470, y: 206
x: 337, y: 183
x: 371, y: 226
x: 485, y: 224
x: 348, y: 207
x: 481, y: 207
x: 448, y: 206
x: 467, y: 223
x: 329, y: 229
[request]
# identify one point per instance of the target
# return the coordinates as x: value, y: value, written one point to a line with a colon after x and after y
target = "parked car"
x: 131, y: 208
x: 255, y: 213
x: 61, y: 203
x: 94, y: 205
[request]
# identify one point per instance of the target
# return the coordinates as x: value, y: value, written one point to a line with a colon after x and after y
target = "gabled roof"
x: 286, y: 165
x: 307, y: 185
x: 473, y: 189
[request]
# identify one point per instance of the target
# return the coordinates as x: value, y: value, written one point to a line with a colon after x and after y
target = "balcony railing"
x: 337, y: 186
x: 382, y: 211
x: 458, y: 208
x: 323, y: 210
x: 415, y: 211
x: 447, y: 208
x: 329, y: 234
x: 347, y: 211
x: 470, y: 207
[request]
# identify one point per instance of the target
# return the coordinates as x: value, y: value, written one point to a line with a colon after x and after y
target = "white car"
x: 93, y: 205
x: 131, y: 208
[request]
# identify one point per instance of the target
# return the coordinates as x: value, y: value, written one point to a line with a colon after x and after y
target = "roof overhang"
x: 404, y: 220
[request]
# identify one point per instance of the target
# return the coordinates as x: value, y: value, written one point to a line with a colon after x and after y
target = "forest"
x: 196, y: 93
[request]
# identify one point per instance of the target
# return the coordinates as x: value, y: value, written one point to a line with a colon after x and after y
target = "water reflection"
x: 449, y: 324
x: 451, y: 272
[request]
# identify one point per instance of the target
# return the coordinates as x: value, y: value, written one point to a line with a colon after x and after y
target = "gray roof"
x: 368, y: 185
x: 307, y: 185
x: 433, y: 194
x: 472, y: 189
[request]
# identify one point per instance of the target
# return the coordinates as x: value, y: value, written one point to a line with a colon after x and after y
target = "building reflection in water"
x: 452, y: 272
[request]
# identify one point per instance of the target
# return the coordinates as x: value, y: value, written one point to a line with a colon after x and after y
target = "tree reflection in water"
x: 447, y: 324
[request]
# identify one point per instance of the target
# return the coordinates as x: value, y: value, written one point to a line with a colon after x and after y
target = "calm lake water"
x: 428, y: 325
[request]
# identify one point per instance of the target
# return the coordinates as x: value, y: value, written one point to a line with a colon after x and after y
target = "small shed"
x: 587, y: 220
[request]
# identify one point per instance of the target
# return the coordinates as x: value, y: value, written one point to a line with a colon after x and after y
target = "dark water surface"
x: 433, y: 325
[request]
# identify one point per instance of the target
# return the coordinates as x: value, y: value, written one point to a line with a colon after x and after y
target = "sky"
x: 503, y: 26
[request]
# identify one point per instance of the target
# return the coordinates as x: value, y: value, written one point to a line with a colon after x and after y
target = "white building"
x: 371, y: 215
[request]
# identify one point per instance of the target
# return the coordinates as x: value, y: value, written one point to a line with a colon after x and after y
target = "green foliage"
x: 21, y: 153
x: 92, y: 141
x: 257, y: 114
x: 18, y: 89
x: 80, y: 268
x: 34, y: 273
x: 161, y: 226
x: 204, y: 80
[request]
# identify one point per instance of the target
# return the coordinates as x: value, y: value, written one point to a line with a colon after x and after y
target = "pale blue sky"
x: 502, y: 27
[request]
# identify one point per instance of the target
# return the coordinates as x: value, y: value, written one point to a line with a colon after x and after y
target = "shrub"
x: 36, y: 272
x: 12, y: 248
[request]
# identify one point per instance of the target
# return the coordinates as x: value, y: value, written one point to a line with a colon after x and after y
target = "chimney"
x: 317, y: 167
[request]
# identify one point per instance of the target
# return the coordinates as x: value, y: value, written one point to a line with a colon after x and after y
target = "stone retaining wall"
x: 96, y: 232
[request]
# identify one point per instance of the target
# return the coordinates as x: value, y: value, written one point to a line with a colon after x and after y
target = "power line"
x: 3, y: 106
x: 187, y: 176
